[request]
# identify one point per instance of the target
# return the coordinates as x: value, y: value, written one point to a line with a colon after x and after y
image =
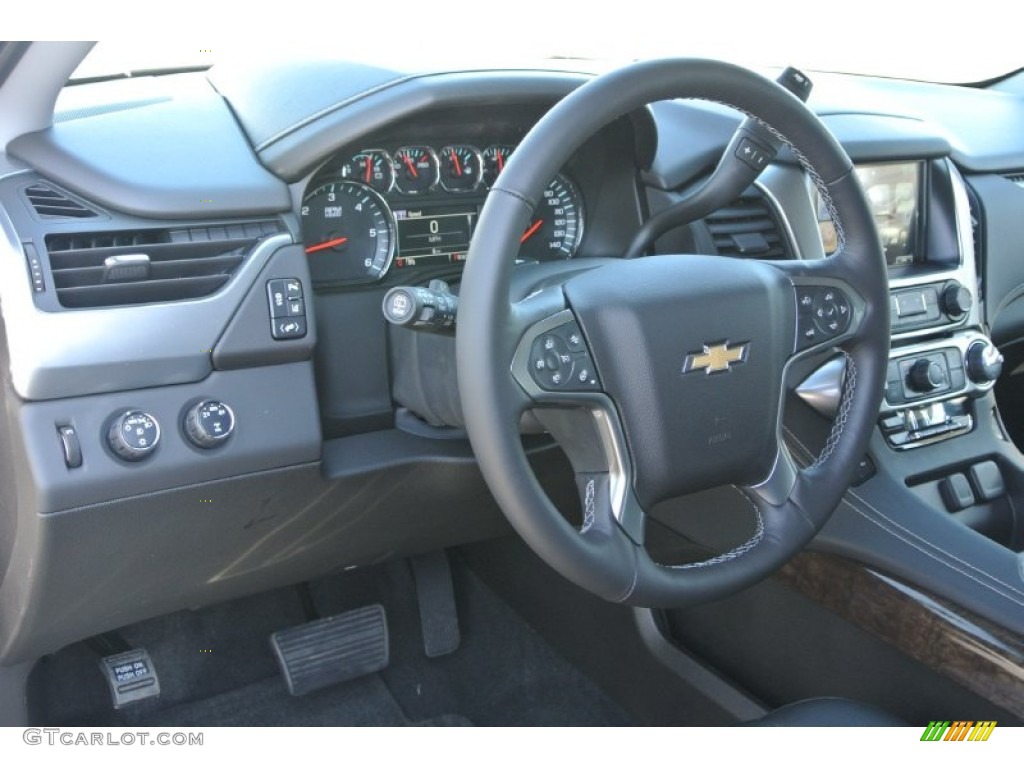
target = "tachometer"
x: 348, y: 231
x: 556, y: 227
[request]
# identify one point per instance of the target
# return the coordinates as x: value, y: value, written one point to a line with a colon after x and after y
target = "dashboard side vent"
x: 106, y: 269
x: 51, y: 203
x: 748, y: 228
x: 1016, y: 178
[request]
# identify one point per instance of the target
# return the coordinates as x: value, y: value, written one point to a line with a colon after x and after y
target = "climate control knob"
x: 926, y: 375
x: 133, y: 435
x: 209, y: 423
x: 956, y: 300
x: 984, y: 362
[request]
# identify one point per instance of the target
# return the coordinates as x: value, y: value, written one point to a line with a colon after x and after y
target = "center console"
x: 940, y: 357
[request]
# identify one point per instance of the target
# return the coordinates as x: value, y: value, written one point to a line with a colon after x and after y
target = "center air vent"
x: 51, y: 203
x: 748, y: 228
x: 1017, y: 178
x: 106, y: 269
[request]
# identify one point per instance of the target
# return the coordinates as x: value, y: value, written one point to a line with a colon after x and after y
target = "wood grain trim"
x: 977, y: 654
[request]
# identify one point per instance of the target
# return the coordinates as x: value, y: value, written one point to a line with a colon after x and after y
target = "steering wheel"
x: 665, y: 375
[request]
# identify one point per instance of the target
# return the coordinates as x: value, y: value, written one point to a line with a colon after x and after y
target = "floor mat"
x: 216, y: 667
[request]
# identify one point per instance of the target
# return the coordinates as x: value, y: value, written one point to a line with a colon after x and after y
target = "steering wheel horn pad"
x: 691, y: 349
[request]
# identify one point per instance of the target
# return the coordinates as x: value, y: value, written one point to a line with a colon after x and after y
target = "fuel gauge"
x: 371, y: 167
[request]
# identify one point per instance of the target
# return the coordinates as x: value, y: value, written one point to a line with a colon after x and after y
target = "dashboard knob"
x: 133, y: 435
x: 984, y: 362
x: 956, y: 300
x: 209, y: 423
x: 926, y: 375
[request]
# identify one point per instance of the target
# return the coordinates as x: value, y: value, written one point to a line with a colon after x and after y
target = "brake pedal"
x: 332, y: 650
x: 438, y: 614
x: 131, y: 677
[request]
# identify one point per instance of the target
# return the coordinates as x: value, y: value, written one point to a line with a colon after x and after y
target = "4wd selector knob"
x: 209, y: 423
x: 984, y: 362
x: 956, y: 300
x: 926, y: 375
x: 133, y: 435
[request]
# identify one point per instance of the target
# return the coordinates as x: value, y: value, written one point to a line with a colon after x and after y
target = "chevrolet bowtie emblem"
x: 716, y: 358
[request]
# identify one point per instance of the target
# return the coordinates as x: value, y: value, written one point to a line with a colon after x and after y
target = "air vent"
x: 106, y: 269
x: 748, y: 228
x: 1016, y: 178
x: 51, y: 203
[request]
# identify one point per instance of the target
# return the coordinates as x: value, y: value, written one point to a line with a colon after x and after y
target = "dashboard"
x: 233, y: 282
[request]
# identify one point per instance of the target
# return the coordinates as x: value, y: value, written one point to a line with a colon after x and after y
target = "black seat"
x: 828, y: 712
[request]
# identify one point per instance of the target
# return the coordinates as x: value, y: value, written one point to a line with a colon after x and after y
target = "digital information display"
x: 434, y: 235
x: 893, y: 191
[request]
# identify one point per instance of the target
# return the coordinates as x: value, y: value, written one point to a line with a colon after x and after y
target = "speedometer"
x: 556, y: 227
x: 348, y: 231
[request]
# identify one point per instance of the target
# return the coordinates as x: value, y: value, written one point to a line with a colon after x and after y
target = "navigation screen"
x: 437, y: 235
x: 893, y: 191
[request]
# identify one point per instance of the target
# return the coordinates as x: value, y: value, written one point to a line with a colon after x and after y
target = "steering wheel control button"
x: 753, y: 154
x: 71, y: 446
x: 209, y: 423
x: 559, y: 360
x: 823, y: 313
x: 134, y: 435
x: 287, y: 308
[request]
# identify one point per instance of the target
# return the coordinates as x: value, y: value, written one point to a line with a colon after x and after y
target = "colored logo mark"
x: 958, y: 730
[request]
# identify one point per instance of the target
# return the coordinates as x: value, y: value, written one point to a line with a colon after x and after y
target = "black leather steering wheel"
x: 664, y: 375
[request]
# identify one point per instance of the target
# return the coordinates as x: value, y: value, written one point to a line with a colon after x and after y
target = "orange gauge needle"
x: 326, y: 244
x: 369, y: 168
x: 411, y: 166
x: 501, y: 161
x: 531, y: 231
x: 455, y: 161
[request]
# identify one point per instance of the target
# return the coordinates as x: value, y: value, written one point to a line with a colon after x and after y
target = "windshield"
x: 889, y: 39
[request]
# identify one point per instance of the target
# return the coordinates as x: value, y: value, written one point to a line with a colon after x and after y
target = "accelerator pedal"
x: 439, y: 617
x: 332, y: 650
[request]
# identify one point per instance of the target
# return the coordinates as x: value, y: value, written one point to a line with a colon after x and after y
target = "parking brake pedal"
x: 438, y: 615
x: 131, y: 677
x: 332, y: 650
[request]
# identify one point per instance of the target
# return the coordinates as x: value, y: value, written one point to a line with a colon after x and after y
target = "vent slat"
x: 114, y: 294
x: 51, y: 203
x: 180, y: 263
x: 747, y: 228
x: 159, y: 270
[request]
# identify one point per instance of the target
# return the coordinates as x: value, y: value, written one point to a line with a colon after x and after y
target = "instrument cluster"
x: 416, y: 205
